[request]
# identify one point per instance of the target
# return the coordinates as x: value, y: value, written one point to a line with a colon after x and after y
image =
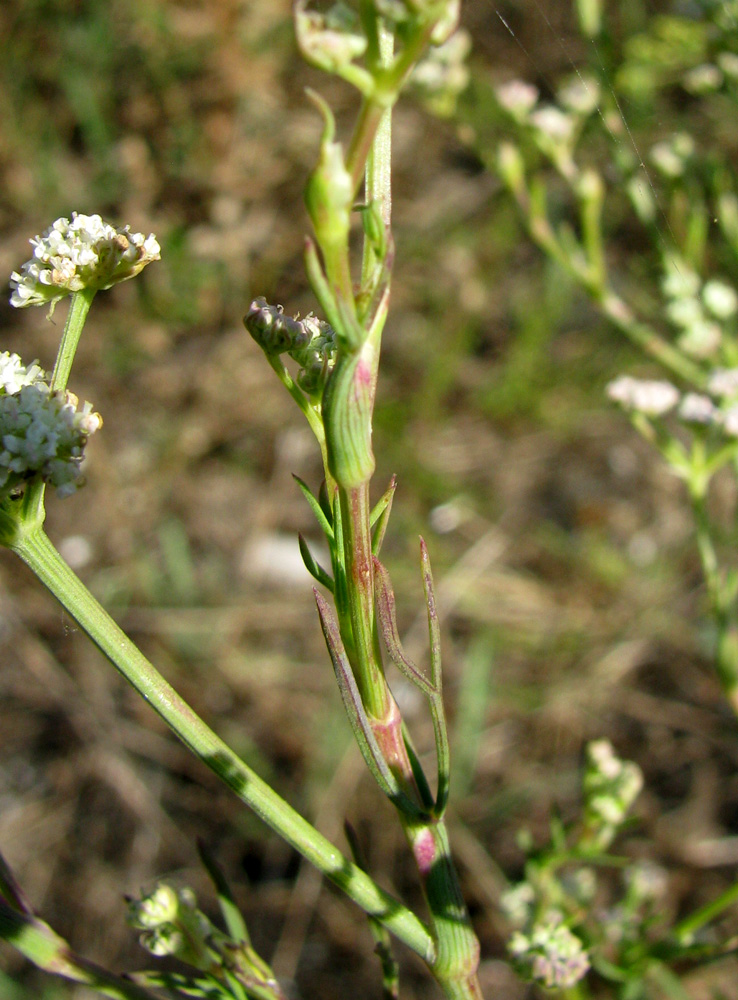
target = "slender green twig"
x: 41, y: 945
x: 78, y: 309
x: 36, y: 550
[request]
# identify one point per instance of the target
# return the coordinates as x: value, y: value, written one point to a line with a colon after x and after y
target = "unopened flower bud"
x: 274, y: 332
x: 84, y: 253
x: 511, y: 166
x: 590, y: 187
x: 329, y: 194
x: 611, y: 786
x: 329, y: 41
x: 720, y: 299
x: 154, y: 909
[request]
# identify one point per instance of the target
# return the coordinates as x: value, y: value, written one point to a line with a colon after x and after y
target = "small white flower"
x: 720, y: 298
x: 723, y: 382
x: 653, y: 398
x: 680, y: 281
x: 684, y: 311
x: 701, y: 339
x: 517, y: 97
x: 728, y: 63
x: 580, y: 95
x: 14, y: 374
x: 703, y: 79
x: 695, y: 408
x: 730, y: 421
x: 553, y: 123
x: 42, y: 433
x: 85, y: 252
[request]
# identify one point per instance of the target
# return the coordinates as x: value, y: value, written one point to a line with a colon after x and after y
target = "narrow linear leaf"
x: 320, y: 286
x: 10, y: 889
x: 379, y: 517
x: 388, y: 622
x: 232, y: 916
x: 437, y: 709
x: 326, y: 502
x: 426, y: 795
x: 354, y: 707
x: 434, y: 628
x: 314, y: 568
x: 316, y: 508
x: 383, y: 943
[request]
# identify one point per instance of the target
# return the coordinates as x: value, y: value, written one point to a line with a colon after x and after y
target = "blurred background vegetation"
x: 569, y: 587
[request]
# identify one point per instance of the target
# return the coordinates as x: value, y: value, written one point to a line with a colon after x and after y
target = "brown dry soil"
x: 569, y: 590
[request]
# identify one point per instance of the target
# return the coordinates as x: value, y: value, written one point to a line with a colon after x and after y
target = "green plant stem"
x: 649, y: 341
x: 721, y: 603
x: 687, y: 928
x: 36, y: 550
x: 78, y: 309
x: 608, y: 302
x: 359, y: 564
x: 41, y: 945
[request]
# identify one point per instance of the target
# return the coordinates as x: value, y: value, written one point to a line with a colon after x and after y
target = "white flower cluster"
x: 611, y: 786
x: 42, y: 433
x: 650, y: 397
x: 555, y: 128
x: 85, y: 252
x: 550, y: 954
x: 717, y: 408
x: 699, y: 312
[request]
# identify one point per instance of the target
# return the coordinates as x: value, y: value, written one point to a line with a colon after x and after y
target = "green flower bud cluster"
x: 701, y: 313
x: 273, y: 331
x: 171, y: 924
x: 444, y: 12
x: 310, y: 342
x: 442, y: 75
x: 317, y: 358
x: 330, y: 41
x: 42, y: 433
x: 554, y: 128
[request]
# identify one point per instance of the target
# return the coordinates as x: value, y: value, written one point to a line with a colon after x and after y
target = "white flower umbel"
x: 85, y: 252
x: 650, y: 397
x: 42, y: 433
x: 550, y: 955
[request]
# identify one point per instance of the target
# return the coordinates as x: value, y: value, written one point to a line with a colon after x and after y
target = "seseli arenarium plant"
x: 328, y: 363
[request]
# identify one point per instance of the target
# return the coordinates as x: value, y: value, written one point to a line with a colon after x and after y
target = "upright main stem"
x: 457, y: 948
